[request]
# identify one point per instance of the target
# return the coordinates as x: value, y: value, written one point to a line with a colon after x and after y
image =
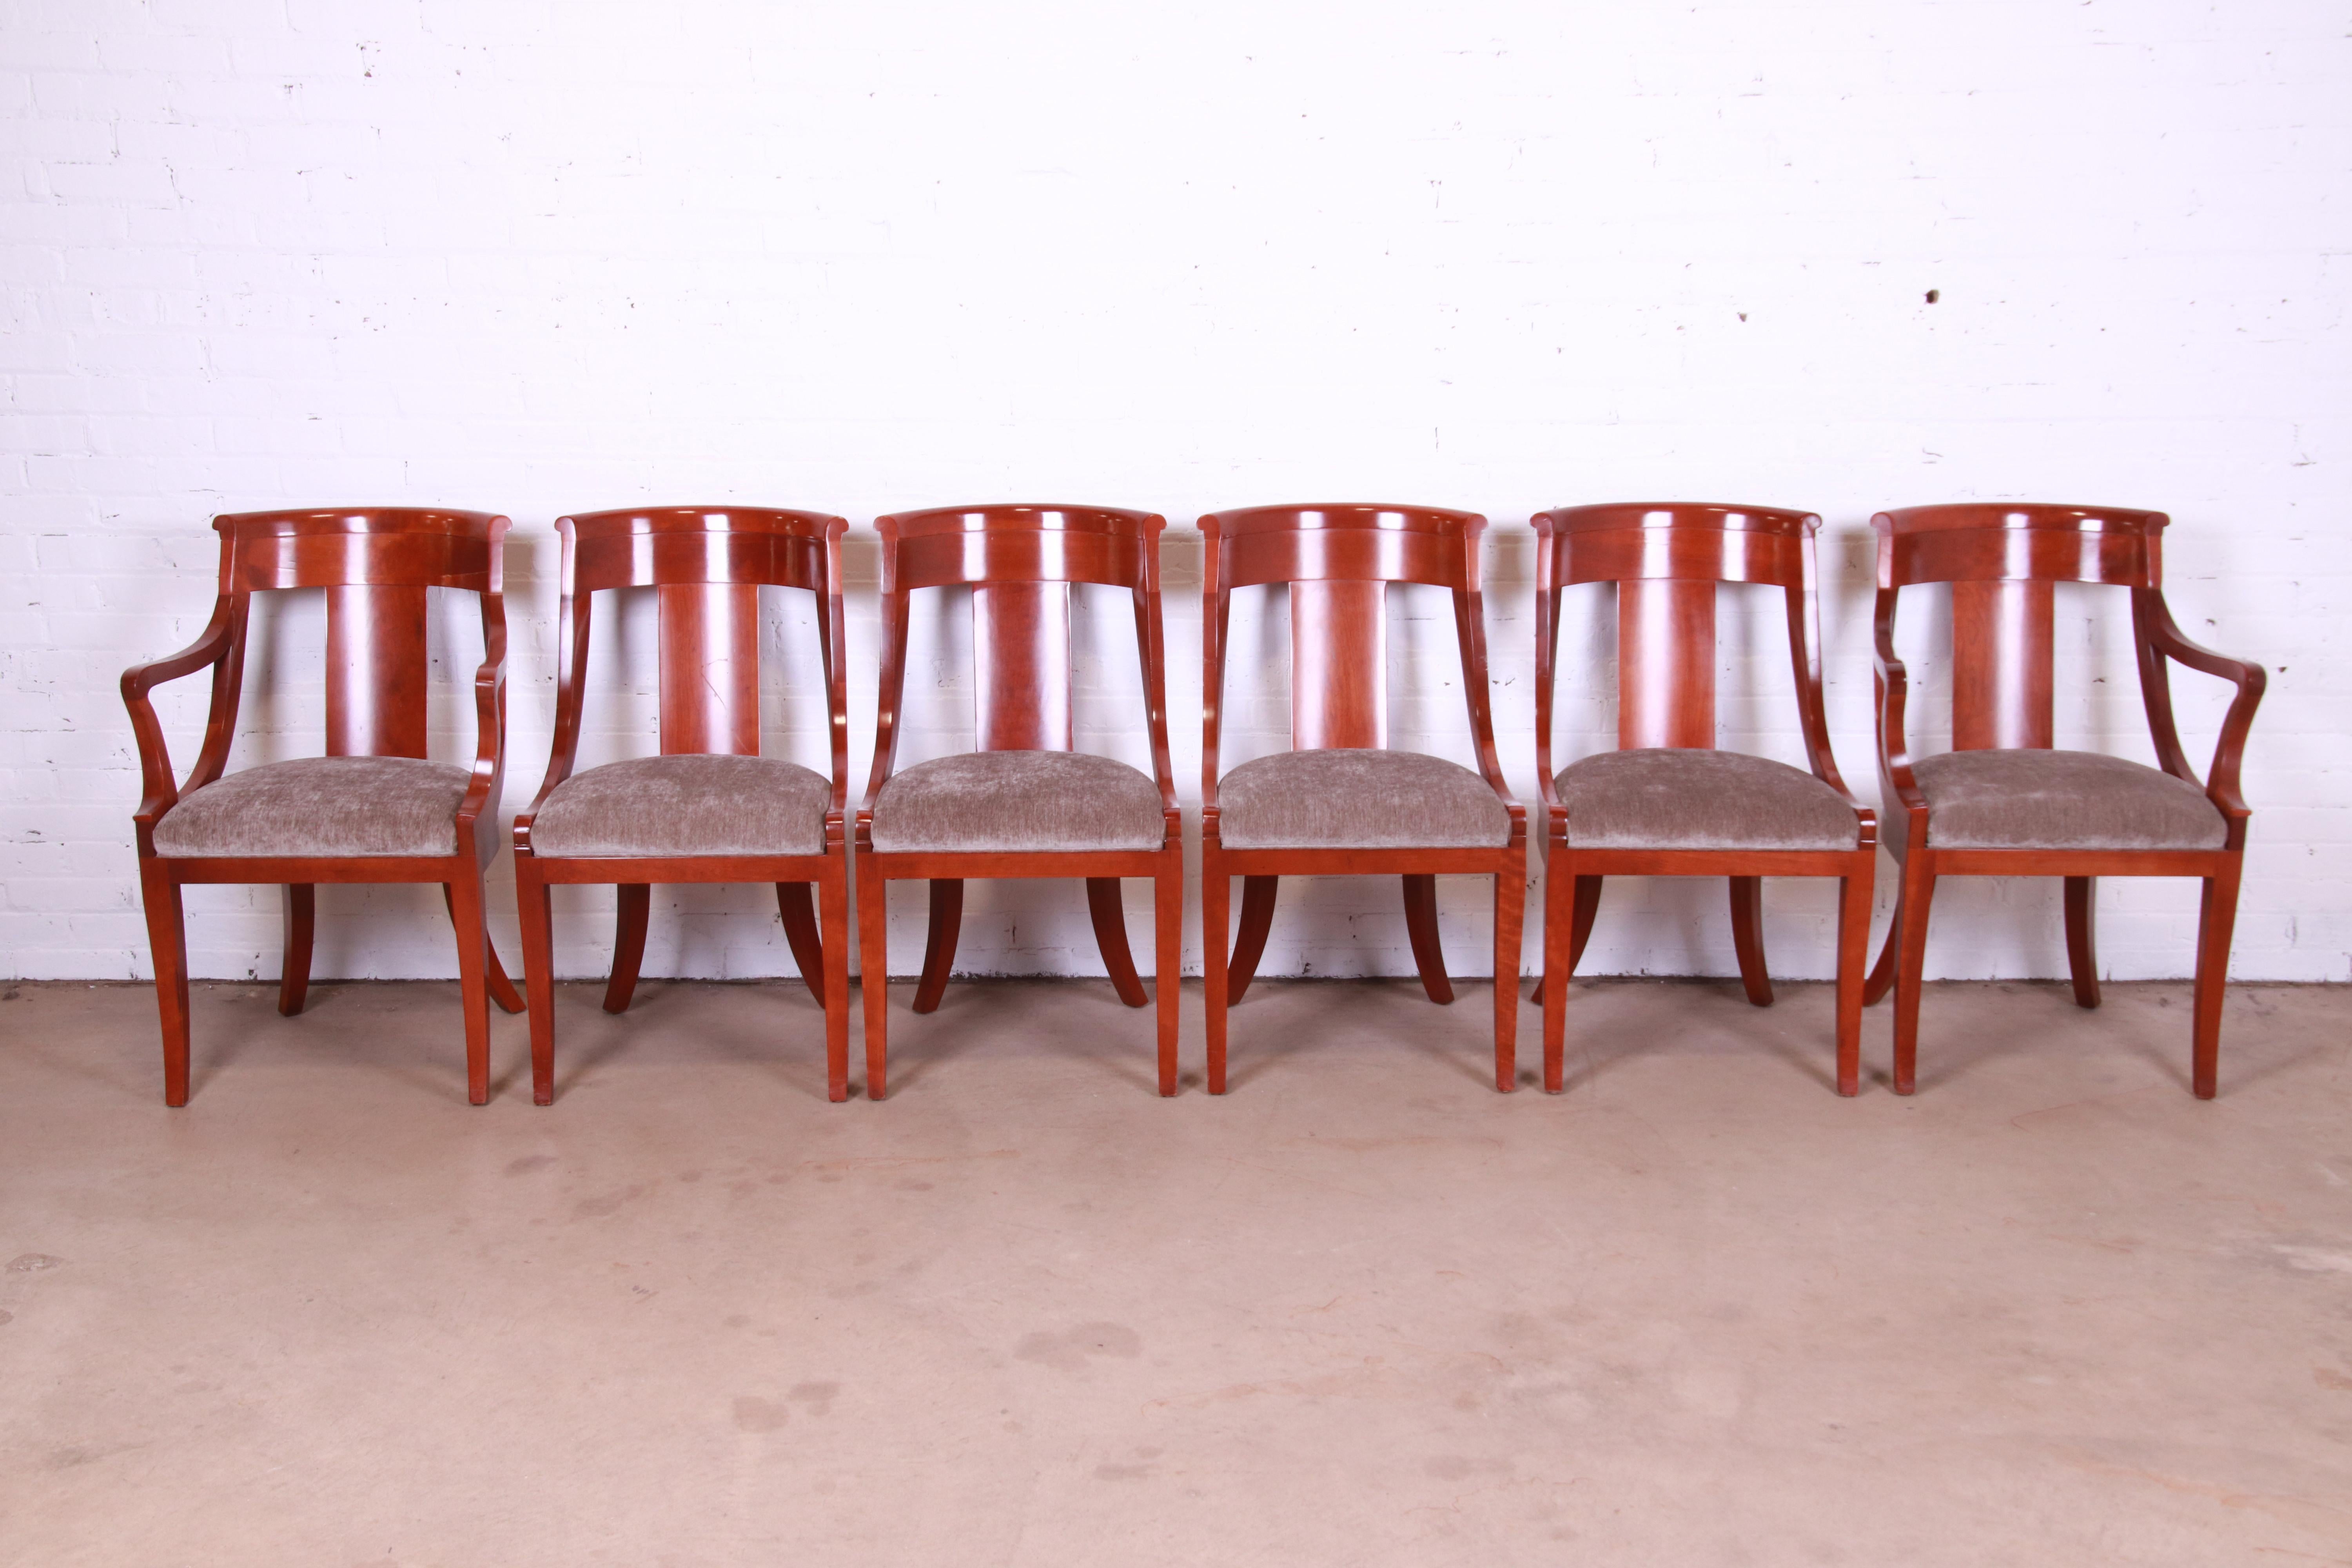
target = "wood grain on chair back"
x: 2001, y: 560
x: 706, y: 567
x: 1019, y: 561
x: 1667, y: 559
x: 1337, y: 562
x: 376, y: 566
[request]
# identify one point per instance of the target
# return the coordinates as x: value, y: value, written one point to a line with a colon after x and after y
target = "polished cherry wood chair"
x: 1026, y: 802
x: 374, y: 809
x: 1341, y: 802
x: 1668, y: 802
x: 709, y: 808
x: 2004, y: 802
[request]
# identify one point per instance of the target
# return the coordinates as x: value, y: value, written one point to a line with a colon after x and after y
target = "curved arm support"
x: 1894, y: 688
x: 887, y: 699
x: 1547, y: 601
x: 1151, y: 648
x: 160, y: 791
x: 1470, y: 628
x: 489, y: 717
x: 833, y: 644
x: 1805, y: 654
x: 571, y: 676
x: 2161, y: 638
x: 1216, y: 619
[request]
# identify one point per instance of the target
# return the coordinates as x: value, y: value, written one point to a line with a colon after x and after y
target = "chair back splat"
x: 2001, y: 562
x: 1665, y: 562
x: 1019, y: 562
x: 706, y: 567
x: 1337, y: 562
x: 376, y: 566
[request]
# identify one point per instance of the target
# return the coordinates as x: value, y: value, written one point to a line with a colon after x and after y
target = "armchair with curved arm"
x: 2006, y: 801
x: 374, y: 809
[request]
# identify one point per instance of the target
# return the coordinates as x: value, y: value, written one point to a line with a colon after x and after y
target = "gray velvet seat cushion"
x: 1357, y: 799
x: 1018, y: 801
x: 1654, y: 798
x: 2034, y: 799
x: 685, y: 806
x: 321, y: 806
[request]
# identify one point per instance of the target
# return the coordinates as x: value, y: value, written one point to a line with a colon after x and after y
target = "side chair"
x: 1670, y: 802
x: 709, y: 807
x: 375, y: 808
x: 1341, y: 802
x: 1026, y: 802
x: 2005, y: 801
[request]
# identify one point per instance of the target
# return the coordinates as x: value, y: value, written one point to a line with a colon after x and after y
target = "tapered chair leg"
x: 939, y: 948
x: 1420, y: 927
x: 1853, y: 960
x: 1748, y: 938
x: 2217, y: 918
x: 798, y: 912
x: 301, y: 924
x: 1911, y: 968
x: 1108, y: 912
x: 1258, y: 895
x: 632, y: 910
x: 167, y: 943
x: 874, y: 973
x: 1168, y: 958
x: 1563, y: 888
x: 2082, y: 938
x: 1216, y: 897
x: 833, y: 909
x: 473, y: 982
x: 536, y: 915
x: 1510, y: 906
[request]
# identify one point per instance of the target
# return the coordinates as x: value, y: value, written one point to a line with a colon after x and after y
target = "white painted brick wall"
x: 510, y: 255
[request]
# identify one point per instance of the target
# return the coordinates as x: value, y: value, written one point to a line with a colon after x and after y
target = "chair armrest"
x: 2165, y: 637
x: 158, y: 789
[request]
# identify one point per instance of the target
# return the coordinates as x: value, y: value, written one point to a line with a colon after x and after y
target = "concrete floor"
x: 1364, y: 1310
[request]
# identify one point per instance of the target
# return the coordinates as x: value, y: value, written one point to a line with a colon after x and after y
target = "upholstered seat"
x: 319, y: 806
x: 686, y: 805
x: 1359, y: 799
x: 2036, y: 799
x: 1018, y: 803
x: 1696, y: 798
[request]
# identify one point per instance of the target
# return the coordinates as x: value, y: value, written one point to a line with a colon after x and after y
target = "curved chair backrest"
x: 1019, y: 561
x: 706, y: 567
x: 2001, y: 558
x: 375, y: 564
x: 1336, y: 561
x: 1666, y: 559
